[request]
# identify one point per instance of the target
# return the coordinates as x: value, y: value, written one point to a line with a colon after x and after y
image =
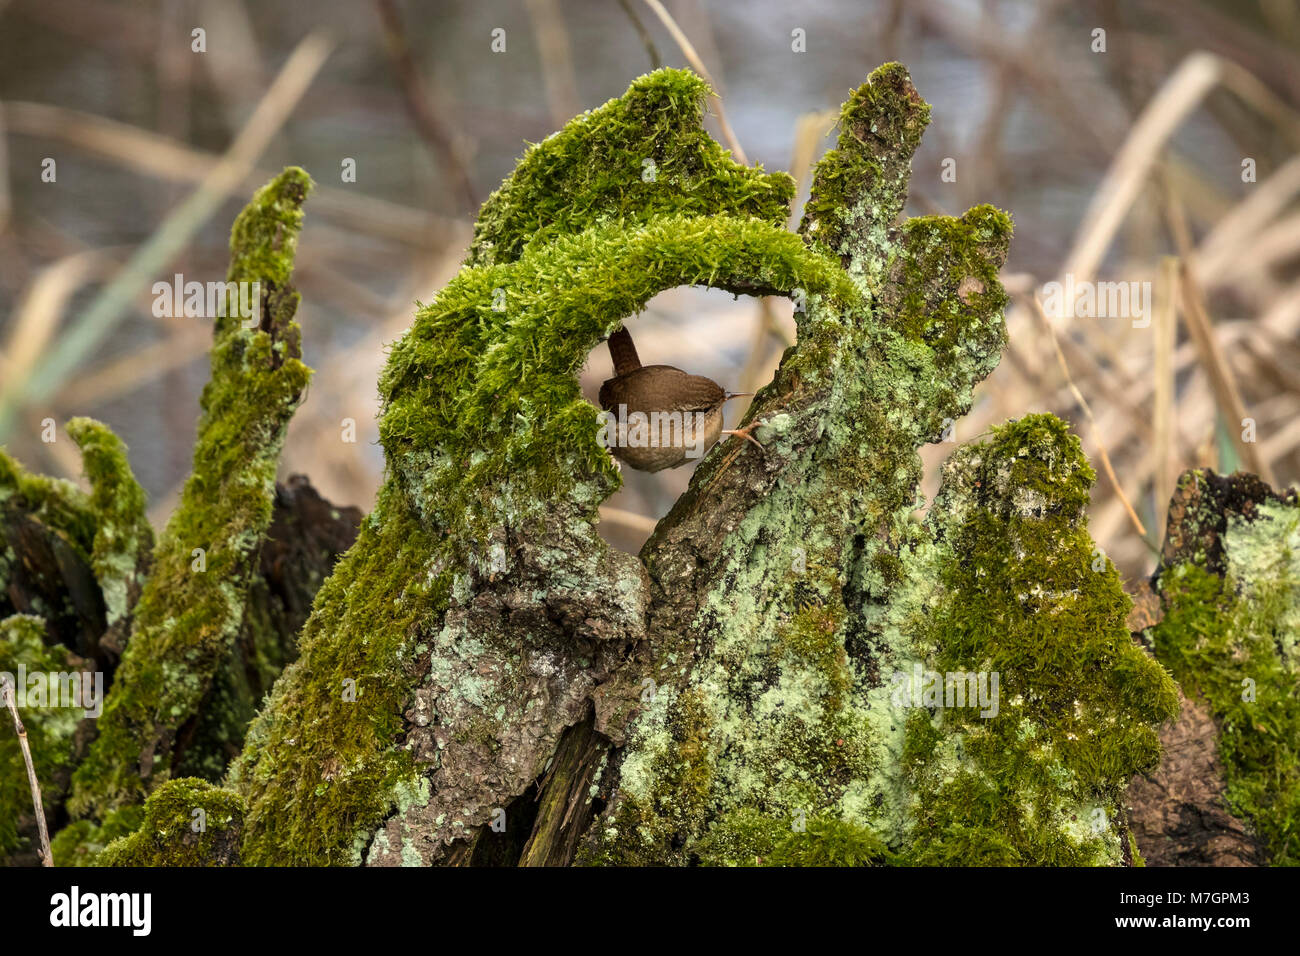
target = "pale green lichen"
x: 791, y: 729
x: 778, y: 662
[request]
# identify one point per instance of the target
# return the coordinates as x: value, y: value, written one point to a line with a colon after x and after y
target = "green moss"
x: 1134, y: 852
x: 187, y: 822
x: 787, y: 666
x: 935, y: 247
x: 1015, y: 588
x: 597, y: 172
x: 54, y: 502
x: 668, y: 785
x: 187, y: 619
x: 1233, y: 642
x: 826, y: 841
x: 747, y: 837
x: 860, y: 187
x: 490, y: 444
x: 473, y: 394
x: 318, y: 770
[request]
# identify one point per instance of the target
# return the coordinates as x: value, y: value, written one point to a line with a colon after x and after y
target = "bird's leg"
x: 742, y: 432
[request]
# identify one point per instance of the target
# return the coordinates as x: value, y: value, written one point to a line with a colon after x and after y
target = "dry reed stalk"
x: 1163, y: 455
x: 79, y: 340
x: 166, y: 159
x: 426, y: 119
x: 558, y: 74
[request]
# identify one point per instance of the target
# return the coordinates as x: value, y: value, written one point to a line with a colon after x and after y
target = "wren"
x: 683, y: 412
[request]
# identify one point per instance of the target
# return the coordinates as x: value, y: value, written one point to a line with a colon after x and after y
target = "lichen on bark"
x: 787, y: 584
x: 481, y: 658
x: 1229, y: 583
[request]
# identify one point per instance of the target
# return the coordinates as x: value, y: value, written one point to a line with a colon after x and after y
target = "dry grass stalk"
x: 697, y: 64
x: 9, y: 699
x: 1092, y: 422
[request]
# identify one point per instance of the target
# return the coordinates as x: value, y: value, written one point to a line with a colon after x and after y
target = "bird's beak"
x: 731, y: 395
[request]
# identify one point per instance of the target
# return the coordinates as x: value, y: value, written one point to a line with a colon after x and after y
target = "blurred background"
x: 1162, y: 150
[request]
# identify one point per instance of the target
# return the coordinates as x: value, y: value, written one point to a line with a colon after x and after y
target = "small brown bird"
x: 662, y: 416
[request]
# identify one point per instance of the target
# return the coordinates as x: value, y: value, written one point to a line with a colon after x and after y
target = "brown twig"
x: 428, y: 124
x: 9, y: 698
x: 1222, y: 380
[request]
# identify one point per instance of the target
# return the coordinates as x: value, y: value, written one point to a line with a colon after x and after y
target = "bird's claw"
x: 745, y: 433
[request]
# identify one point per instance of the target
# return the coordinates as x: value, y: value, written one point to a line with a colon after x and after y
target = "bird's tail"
x: 623, y: 352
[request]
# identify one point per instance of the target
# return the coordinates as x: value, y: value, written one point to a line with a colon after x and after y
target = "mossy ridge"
x: 594, y: 172
x: 186, y: 822
x: 123, y: 542
x: 1233, y: 641
x: 50, y: 729
x: 186, y: 619
x: 319, y: 772
x: 1011, y: 585
x: 860, y: 187
x: 778, y: 660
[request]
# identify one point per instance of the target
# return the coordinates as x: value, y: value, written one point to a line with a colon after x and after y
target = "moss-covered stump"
x: 73, y: 561
x: 1016, y: 587
x: 1229, y: 630
x: 483, y: 681
x: 479, y: 611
